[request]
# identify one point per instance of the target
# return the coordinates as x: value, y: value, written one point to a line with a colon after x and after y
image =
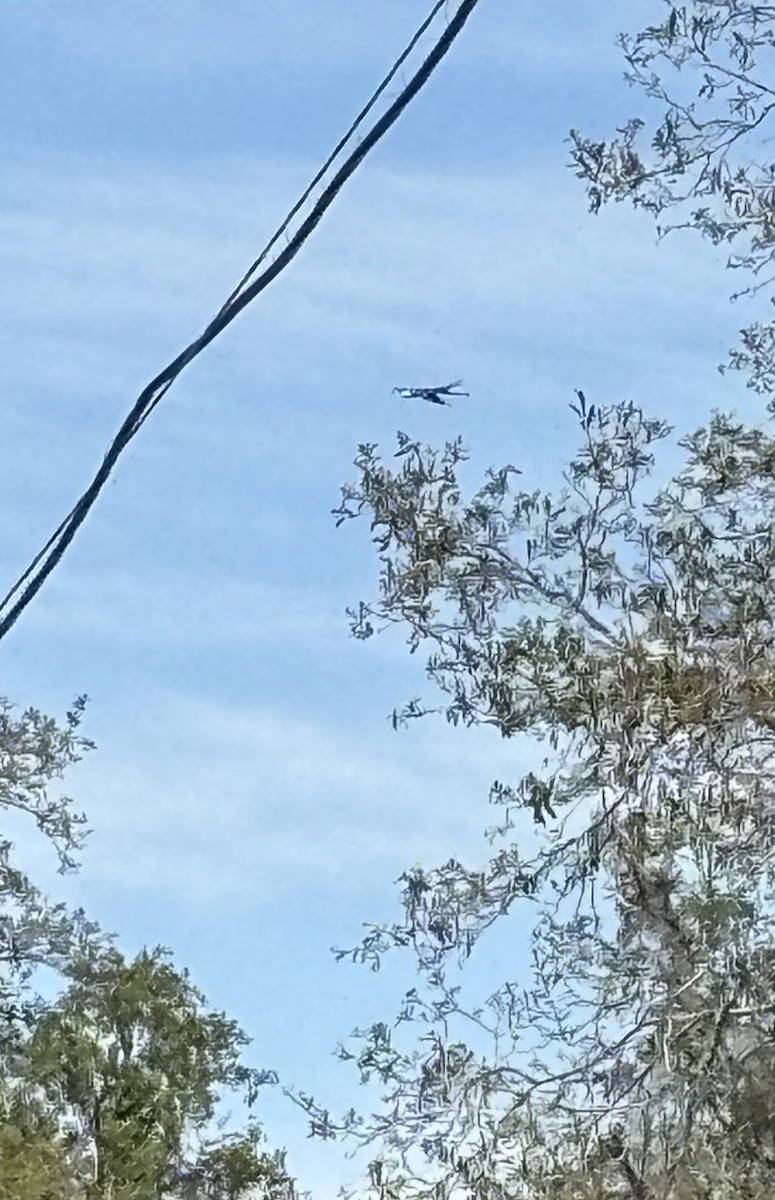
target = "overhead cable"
x: 250, y: 286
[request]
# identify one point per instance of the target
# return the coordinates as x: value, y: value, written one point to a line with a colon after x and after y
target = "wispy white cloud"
x: 182, y: 39
x: 210, y: 804
x: 498, y: 278
x: 405, y: 261
x: 175, y: 608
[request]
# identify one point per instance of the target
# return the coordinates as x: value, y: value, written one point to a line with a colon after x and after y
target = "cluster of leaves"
x: 35, y: 752
x: 132, y: 1063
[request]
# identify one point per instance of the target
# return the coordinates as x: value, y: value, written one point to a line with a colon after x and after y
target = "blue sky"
x: 251, y: 805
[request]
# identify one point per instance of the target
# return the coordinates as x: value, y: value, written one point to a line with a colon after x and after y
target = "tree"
x: 229, y: 1168
x: 34, y: 752
x: 109, y: 1091
x: 630, y: 629
x: 707, y: 157
x: 34, y: 1161
x: 133, y: 1064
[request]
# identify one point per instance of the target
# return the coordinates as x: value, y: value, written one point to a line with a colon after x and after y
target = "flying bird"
x: 434, y: 395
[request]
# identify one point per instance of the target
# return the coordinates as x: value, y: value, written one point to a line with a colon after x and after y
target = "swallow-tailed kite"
x: 434, y: 395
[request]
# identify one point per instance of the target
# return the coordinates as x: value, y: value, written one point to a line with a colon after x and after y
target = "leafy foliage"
x: 34, y: 1160
x: 34, y: 752
x: 628, y: 628
x: 111, y: 1090
x: 133, y: 1064
x: 707, y: 157
x: 233, y: 1167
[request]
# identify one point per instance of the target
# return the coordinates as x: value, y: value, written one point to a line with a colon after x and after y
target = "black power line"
x: 247, y: 290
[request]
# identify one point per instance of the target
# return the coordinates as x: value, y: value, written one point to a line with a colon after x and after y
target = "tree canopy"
x: 112, y: 1089
x: 36, y: 752
x: 629, y: 629
x: 135, y: 1064
x: 704, y: 162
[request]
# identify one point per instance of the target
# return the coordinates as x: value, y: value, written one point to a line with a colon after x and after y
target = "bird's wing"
x: 445, y: 388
